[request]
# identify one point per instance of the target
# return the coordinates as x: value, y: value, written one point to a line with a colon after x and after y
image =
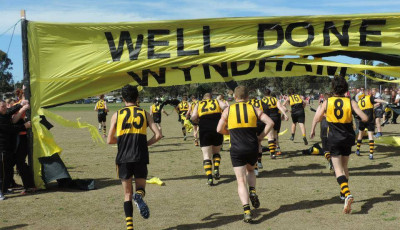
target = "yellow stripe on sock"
x: 343, y: 184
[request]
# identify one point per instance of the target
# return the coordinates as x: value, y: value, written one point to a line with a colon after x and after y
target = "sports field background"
x: 296, y: 191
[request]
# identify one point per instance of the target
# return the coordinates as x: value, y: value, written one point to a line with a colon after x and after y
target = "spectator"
x: 397, y: 103
x: 6, y: 148
x: 387, y: 111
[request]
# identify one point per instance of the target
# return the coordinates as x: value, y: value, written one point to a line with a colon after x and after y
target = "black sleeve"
x: 372, y: 100
x: 14, y: 109
x: 11, y: 129
x: 266, y: 108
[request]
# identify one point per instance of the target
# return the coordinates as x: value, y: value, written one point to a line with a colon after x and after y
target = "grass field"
x: 296, y: 191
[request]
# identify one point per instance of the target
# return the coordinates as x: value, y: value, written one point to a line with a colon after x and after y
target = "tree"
x: 6, y: 77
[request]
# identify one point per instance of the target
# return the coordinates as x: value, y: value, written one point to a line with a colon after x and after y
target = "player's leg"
x: 103, y: 124
x: 378, y: 125
x: 293, y: 129
x: 140, y: 173
x: 241, y: 178
x: 271, y: 144
x: 302, y: 119
x: 341, y: 172
x: 359, y: 141
x: 128, y: 206
x: 251, y: 181
x: 371, y: 144
x: 207, y: 163
x: 195, y: 134
x: 216, y: 160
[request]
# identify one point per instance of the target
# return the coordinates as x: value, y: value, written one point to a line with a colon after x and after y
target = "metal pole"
x: 365, y: 76
x: 27, y: 83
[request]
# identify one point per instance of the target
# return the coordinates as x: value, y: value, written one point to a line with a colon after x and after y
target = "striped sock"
x: 359, y: 144
x: 104, y: 130
x: 128, y: 208
x: 207, y: 164
x: 344, y: 185
x: 371, y: 146
x: 271, y: 146
x: 246, y: 208
x: 216, y: 160
x: 141, y: 191
x: 328, y: 156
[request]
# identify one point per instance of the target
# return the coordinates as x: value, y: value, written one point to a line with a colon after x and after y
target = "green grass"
x: 287, y: 187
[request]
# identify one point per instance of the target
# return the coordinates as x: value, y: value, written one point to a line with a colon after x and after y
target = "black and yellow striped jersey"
x: 272, y: 103
x: 259, y: 104
x: 242, y: 126
x: 209, y: 114
x: 101, y: 107
x: 155, y: 108
x: 340, y: 121
x: 131, y: 130
x: 183, y: 106
x: 366, y: 104
x: 296, y: 103
x: 208, y: 107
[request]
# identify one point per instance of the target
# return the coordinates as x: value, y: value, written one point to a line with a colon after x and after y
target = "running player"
x: 275, y: 111
x: 101, y: 108
x: 182, y: 108
x: 208, y: 111
x: 366, y: 104
x: 298, y: 116
x: 155, y: 112
x: 241, y: 120
x: 194, y: 123
x: 129, y: 124
x: 341, y: 135
x: 260, y: 128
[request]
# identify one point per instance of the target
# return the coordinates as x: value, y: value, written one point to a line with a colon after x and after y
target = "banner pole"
x: 27, y: 83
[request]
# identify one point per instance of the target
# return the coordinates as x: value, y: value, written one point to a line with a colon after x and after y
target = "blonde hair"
x: 241, y: 92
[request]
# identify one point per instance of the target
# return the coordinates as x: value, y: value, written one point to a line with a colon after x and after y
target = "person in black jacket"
x: 7, y: 131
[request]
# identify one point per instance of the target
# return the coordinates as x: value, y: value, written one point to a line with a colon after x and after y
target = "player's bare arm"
x: 318, y: 117
x: 221, y: 128
x: 358, y: 111
x: 269, y: 124
x: 195, y: 114
x: 111, y: 138
x: 153, y: 127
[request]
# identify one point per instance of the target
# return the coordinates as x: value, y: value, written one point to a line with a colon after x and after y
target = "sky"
x: 130, y: 11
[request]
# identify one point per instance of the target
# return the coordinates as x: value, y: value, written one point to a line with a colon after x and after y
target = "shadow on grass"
x: 383, y: 165
x: 216, y: 220
x: 369, y: 203
x: 170, y: 144
x: 301, y: 205
x: 18, y: 226
x: 167, y: 150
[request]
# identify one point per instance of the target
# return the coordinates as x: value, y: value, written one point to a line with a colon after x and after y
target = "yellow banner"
x: 73, y: 61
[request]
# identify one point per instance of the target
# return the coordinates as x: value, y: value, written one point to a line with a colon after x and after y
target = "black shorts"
x: 298, y: 117
x: 194, y: 123
x: 370, y: 126
x: 260, y: 127
x: 339, y: 150
x: 157, y: 119
x: 208, y: 138
x: 277, y: 122
x: 243, y: 159
x: 379, y: 113
x: 101, y: 117
x: 135, y: 169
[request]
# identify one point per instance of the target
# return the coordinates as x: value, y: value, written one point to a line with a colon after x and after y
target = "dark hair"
x: 339, y: 85
x: 130, y: 93
x: 267, y: 92
x: 290, y: 91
